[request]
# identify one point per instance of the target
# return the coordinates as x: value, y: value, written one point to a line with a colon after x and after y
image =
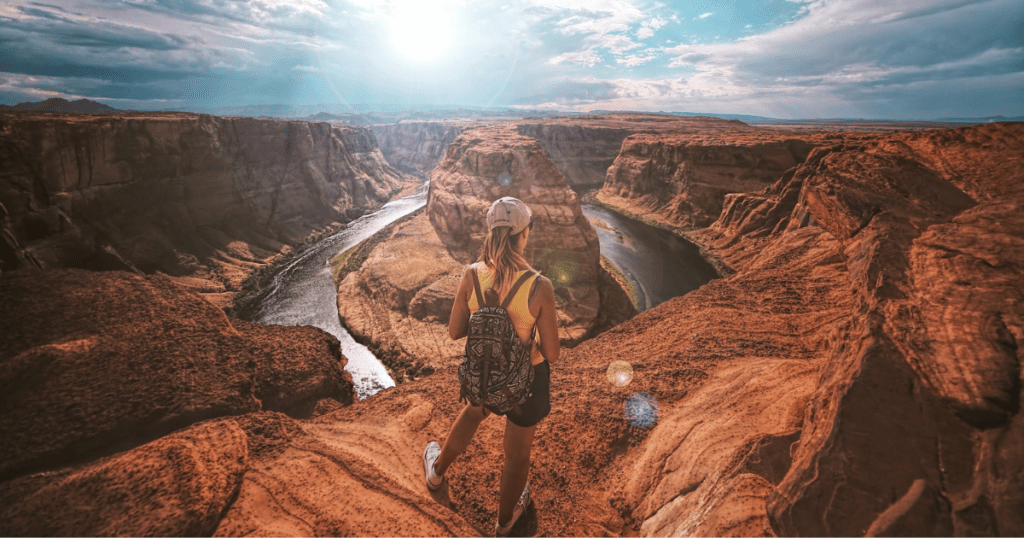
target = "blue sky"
x: 883, y: 59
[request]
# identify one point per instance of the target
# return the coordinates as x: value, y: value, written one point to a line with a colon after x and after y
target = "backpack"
x: 496, y: 370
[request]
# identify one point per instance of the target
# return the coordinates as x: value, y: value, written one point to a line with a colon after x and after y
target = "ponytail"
x: 500, y: 255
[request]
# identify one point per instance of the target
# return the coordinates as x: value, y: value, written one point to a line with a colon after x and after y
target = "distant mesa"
x: 56, y: 104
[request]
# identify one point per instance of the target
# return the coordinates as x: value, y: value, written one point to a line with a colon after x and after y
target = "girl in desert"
x: 532, y: 306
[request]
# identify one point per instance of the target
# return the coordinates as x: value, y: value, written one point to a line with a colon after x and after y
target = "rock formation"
x: 483, y: 165
x: 199, y: 197
x: 95, y: 361
x: 399, y: 301
x: 684, y: 178
x: 904, y: 415
x: 584, y: 147
x: 416, y: 147
x: 132, y: 406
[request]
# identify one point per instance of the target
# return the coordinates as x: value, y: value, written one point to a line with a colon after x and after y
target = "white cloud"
x: 634, y: 60
x: 703, y: 16
x: 586, y: 57
x: 647, y: 28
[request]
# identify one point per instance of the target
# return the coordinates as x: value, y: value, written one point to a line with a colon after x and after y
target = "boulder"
x: 92, y: 363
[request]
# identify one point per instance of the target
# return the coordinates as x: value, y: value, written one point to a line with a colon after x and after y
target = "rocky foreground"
x: 858, y: 374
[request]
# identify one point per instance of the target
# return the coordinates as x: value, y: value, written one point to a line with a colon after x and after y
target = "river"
x: 303, y: 293
x: 659, y: 265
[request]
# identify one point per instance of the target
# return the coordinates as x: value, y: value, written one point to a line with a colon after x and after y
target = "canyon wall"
x: 683, y: 179
x: 584, y: 147
x: 194, y: 196
x: 581, y: 152
x: 416, y: 147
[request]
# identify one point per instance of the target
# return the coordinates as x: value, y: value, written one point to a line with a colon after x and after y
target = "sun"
x: 422, y: 31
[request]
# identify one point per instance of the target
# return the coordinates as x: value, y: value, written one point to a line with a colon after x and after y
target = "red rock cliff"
x: 584, y: 147
x: 415, y: 147
x: 181, y: 194
x: 683, y: 178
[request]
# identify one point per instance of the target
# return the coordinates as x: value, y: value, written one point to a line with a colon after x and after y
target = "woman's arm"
x: 547, y: 320
x: 458, y: 322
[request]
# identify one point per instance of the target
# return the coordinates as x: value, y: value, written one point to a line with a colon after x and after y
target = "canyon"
x: 856, y: 371
x: 202, y: 199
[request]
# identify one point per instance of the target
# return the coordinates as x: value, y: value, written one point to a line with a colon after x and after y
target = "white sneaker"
x: 519, y: 510
x: 430, y: 455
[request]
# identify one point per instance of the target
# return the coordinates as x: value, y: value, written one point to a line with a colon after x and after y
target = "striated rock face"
x: 913, y: 425
x: 582, y: 152
x: 684, y: 179
x: 483, y: 165
x: 415, y: 147
x: 186, y: 195
x: 96, y: 362
x: 584, y: 147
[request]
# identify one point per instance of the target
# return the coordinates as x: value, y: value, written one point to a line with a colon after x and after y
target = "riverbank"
x: 687, y: 233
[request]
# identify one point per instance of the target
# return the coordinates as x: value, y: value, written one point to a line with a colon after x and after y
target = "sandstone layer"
x: 584, y: 147
x: 485, y: 164
x: 416, y: 147
x: 684, y: 178
x: 199, y: 197
x: 914, y: 425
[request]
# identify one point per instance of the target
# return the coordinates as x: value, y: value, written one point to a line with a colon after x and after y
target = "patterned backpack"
x: 496, y: 371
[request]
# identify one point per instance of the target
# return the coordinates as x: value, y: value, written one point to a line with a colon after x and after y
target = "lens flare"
x: 505, y: 179
x: 562, y: 269
x: 641, y: 410
x: 620, y: 373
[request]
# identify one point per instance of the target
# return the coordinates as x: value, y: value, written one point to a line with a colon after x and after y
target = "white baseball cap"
x: 511, y: 212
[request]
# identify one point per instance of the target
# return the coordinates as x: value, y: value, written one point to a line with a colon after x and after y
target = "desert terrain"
x: 855, y: 370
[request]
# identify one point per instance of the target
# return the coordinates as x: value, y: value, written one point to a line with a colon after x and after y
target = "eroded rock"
x: 178, y: 485
x: 98, y: 362
x: 187, y: 195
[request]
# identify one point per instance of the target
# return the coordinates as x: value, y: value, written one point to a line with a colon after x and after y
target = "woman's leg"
x: 459, y: 437
x: 518, y: 443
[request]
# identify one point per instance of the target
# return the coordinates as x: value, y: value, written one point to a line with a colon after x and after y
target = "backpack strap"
x: 515, y: 287
x: 476, y: 286
x: 533, y: 290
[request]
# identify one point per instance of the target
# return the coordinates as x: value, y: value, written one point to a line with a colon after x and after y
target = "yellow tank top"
x: 518, y: 309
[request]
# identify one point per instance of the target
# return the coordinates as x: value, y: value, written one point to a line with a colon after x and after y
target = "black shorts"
x: 537, y: 404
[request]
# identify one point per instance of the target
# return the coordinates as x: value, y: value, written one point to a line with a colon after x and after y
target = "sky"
x: 790, y: 59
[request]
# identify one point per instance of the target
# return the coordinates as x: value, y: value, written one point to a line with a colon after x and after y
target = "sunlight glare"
x: 422, y: 30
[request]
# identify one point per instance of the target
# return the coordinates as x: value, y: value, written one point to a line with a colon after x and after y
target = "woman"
x: 509, y: 222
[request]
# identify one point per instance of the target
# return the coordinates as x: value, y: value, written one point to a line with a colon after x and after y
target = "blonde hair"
x: 500, y: 255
